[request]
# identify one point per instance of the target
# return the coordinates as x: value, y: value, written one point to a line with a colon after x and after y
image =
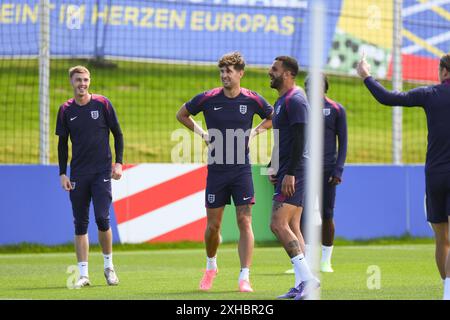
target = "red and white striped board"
x: 160, y: 203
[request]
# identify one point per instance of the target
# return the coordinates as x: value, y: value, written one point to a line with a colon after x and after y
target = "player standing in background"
x: 435, y: 100
x: 290, y: 118
x: 87, y: 119
x: 228, y: 113
x: 335, y: 152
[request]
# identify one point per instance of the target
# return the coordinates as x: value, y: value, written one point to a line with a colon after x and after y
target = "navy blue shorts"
x: 298, y: 198
x: 98, y: 188
x: 222, y: 185
x: 328, y: 196
x: 438, y: 196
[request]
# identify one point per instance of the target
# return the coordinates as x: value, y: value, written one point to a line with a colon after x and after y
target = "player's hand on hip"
x: 271, y: 174
x: 363, y: 68
x: 334, y: 181
x: 65, y: 182
x: 117, y: 171
x: 253, y: 134
x: 288, y: 186
x: 272, y: 179
x: 206, y: 138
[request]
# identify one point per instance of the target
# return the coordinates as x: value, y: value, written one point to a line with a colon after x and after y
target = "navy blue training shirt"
x: 290, y: 109
x: 222, y: 113
x: 88, y: 127
x: 435, y: 100
x: 335, y: 127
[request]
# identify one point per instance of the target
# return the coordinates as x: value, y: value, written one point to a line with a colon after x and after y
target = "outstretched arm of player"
x: 185, y: 118
x: 411, y: 98
x: 63, y: 156
x: 265, y: 125
x: 118, y: 147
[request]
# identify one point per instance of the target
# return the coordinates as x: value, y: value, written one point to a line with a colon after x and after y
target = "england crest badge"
x: 243, y: 108
x: 211, y: 198
x: 326, y: 112
x: 94, y: 114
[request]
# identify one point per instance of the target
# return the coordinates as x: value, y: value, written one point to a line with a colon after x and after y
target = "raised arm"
x: 415, y: 97
x: 411, y: 98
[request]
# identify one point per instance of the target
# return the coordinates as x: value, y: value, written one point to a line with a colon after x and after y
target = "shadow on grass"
x: 200, y: 293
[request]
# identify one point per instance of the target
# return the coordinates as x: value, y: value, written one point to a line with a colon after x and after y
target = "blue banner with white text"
x: 167, y: 30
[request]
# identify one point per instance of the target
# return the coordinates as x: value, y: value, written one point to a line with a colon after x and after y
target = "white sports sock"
x: 301, y: 268
x: 447, y: 289
x: 211, y: 263
x: 326, y: 254
x: 245, y: 274
x: 296, y: 272
x: 307, y: 252
x: 83, y: 268
x: 108, y: 261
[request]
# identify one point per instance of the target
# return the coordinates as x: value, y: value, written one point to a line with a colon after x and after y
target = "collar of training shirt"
x: 446, y: 81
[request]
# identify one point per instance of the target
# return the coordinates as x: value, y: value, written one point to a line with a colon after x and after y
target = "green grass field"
x: 147, y: 96
x: 407, y: 271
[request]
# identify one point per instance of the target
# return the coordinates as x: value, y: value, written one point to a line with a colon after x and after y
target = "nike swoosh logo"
x: 71, y: 119
x: 247, y: 198
x: 105, y: 180
x: 215, y: 109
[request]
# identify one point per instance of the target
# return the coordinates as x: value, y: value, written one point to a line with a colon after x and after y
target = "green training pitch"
x: 406, y: 272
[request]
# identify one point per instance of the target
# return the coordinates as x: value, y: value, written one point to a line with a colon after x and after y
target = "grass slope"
x: 147, y: 96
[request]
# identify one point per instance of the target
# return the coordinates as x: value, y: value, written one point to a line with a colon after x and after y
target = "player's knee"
x: 442, y: 240
x: 277, y: 226
x: 274, y: 227
x: 441, y: 235
x: 213, y: 227
x: 294, y: 224
x: 81, y: 228
x: 294, y: 228
x: 244, y: 222
x: 102, y: 224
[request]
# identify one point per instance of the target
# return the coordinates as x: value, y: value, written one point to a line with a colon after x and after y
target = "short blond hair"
x: 78, y: 69
x: 232, y: 59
